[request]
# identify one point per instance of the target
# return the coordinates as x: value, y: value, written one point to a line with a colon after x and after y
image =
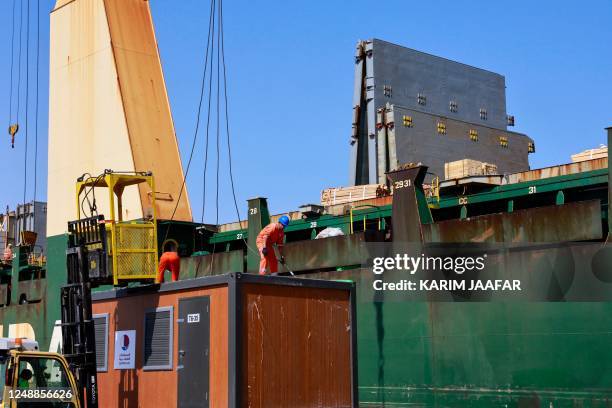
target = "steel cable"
x: 37, y: 94
x: 195, y: 135
x: 211, y: 28
x: 12, y: 66
x: 27, y: 104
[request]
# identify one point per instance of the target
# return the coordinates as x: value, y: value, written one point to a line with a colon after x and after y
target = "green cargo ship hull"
x: 424, y: 352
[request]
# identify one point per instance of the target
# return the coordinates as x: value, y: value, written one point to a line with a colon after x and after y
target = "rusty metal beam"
x: 333, y: 252
x: 578, y: 221
x: 409, y: 203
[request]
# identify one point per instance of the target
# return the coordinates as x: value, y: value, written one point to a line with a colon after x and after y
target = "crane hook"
x: 13, y: 129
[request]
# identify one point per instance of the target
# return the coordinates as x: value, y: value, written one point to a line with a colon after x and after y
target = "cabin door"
x: 193, y: 353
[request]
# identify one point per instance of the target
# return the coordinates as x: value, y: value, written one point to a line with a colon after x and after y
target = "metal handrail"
x: 364, y: 217
x: 435, y: 191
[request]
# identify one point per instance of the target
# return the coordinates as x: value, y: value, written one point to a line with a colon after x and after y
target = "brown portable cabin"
x: 235, y: 340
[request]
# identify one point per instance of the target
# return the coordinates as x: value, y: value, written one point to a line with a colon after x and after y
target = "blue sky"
x: 290, y: 67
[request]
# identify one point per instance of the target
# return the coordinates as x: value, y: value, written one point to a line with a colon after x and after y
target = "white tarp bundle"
x: 329, y: 232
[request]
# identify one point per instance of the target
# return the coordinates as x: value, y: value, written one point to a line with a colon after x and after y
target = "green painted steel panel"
x: 590, y: 179
x: 44, y: 310
x: 581, y: 221
x: 545, y: 185
x: 332, y: 252
x: 442, y: 354
x: 213, y: 264
x: 258, y: 217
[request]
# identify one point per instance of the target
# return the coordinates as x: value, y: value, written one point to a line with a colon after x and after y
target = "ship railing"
x: 365, y: 216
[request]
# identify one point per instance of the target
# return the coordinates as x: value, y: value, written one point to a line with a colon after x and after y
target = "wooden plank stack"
x: 343, y: 195
x: 467, y: 168
x: 590, y: 154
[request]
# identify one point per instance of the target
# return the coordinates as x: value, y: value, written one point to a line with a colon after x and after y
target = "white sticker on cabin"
x: 125, y: 349
x: 193, y: 318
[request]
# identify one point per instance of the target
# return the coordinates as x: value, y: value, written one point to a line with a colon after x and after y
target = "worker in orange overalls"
x: 171, y: 261
x: 272, y: 234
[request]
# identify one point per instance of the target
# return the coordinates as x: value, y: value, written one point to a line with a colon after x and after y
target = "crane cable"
x: 227, y: 129
x: 195, y: 134
x: 211, y: 29
x: 27, y: 104
x: 221, y: 43
x: 218, y: 119
x: 217, y: 133
x: 37, y: 94
x: 221, y: 68
x: 19, y: 63
x: 11, y: 129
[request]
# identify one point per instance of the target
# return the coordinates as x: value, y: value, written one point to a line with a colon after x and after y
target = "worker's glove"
x: 264, y: 251
x: 282, y: 260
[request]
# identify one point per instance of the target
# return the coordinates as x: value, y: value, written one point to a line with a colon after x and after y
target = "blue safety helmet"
x: 284, y: 220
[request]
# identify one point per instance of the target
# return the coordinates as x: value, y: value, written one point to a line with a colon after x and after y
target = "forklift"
x: 34, y: 379
x: 101, y: 251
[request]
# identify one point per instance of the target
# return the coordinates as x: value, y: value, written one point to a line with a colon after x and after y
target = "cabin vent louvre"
x: 101, y: 338
x: 158, y: 339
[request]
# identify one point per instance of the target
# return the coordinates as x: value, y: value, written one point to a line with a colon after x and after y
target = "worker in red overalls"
x: 272, y: 234
x: 171, y: 261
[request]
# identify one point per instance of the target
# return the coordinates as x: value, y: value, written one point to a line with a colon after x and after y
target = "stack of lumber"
x: 343, y: 195
x: 467, y: 168
x: 590, y: 154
